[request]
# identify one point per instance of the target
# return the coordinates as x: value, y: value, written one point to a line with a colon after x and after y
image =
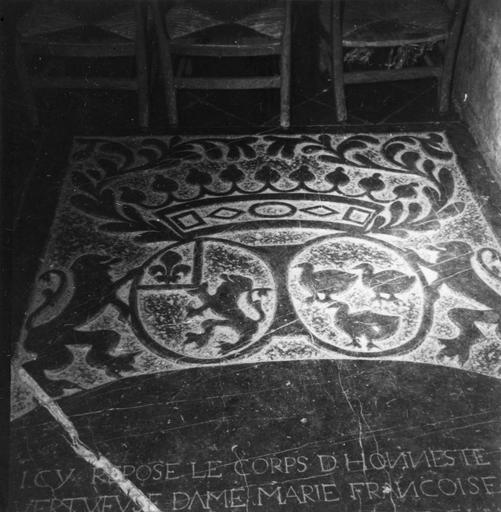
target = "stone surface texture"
x: 478, y: 78
x: 298, y: 435
x: 174, y: 252
x: 294, y: 321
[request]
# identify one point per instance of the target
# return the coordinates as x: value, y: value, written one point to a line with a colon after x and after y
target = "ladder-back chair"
x: 371, y: 24
x: 53, y: 34
x: 222, y: 29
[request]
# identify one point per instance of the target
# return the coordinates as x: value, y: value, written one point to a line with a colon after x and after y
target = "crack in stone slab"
x: 99, y: 462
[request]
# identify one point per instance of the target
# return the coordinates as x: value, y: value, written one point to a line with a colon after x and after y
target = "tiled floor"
x: 369, y: 396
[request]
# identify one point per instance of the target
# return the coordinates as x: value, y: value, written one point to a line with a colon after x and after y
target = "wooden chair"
x: 396, y: 23
x: 223, y: 28
x: 56, y: 33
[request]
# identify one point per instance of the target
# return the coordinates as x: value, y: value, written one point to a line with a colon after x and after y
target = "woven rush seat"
x: 194, y: 20
x: 381, y: 23
x: 54, y: 20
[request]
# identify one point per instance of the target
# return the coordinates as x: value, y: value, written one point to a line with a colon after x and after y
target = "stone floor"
x: 216, y: 249
x: 341, y: 391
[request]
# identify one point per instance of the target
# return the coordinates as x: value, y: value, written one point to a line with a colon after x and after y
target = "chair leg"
x: 170, y: 89
x: 142, y: 92
x: 445, y: 82
x: 171, y: 98
x: 142, y: 68
x: 337, y: 60
x: 285, y: 70
x: 166, y: 67
x: 143, y: 102
x: 26, y: 87
x: 285, y: 99
x: 452, y: 44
